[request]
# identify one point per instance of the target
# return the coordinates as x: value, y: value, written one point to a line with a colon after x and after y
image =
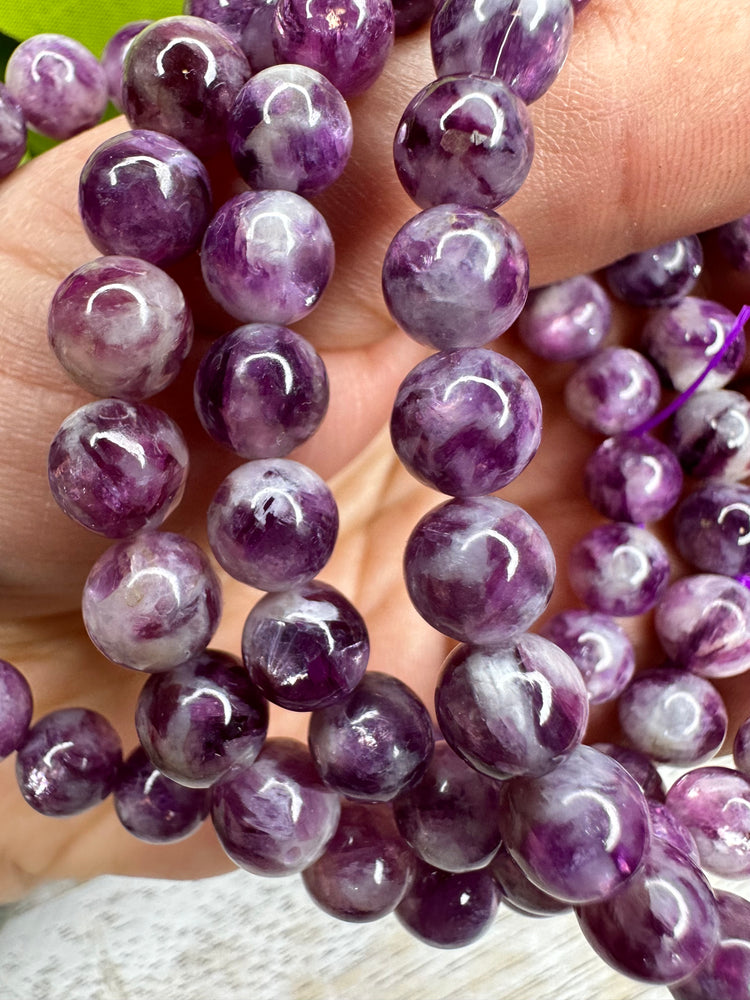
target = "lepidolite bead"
x: 726, y: 971
x: 181, y: 76
x: 512, y: 710
x: 248, y: 22
x: 479, y: 570
x: 599, y: 648
x: 710, y: 434
x: 466, y: 140
x: 639, y: 765
x: 741, y: 748
x: 711, y: 528
x: 455, y: 277
x: 267, y: 256
x: 633, y: 478
x: 660, y: 276
x: 734, y: 242
x: 231, y: 15
x: 151, y: 602
x: 12, y: 132
x: 666, y: 826
x: 566, y: 321
x: 466, y: 422
x: 158, y: 176
x: 118, y: 467
x: 113, y: 58
x: 523, y: 42
x: 519, y: 892
x: 68, y: 762
x: 16, y: 707
x: 614, y: 390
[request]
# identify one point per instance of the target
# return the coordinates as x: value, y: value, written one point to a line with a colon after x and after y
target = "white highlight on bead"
x: 274, y: 493
x: 161, y: 573
x: 477, y: 138
x: 654, y: 480
x: 743, y: 533
x: 206, y: 692
x: 70, y: 71
x: 682, y: 923
x: 606, y: 658
x: 162, y: 171
x: 285, y: 790
x: 118, y: 287
x: 271, y: 356
x: 491, y: 263
x: 121, y: 440
x: 49, y: 757
x: 513, y: 557
x: 313, y: 114
x: 274, y: 217
x: 693, y: 708
x: 211, y: 65
x: 634, y: 563
x: 614, y: 829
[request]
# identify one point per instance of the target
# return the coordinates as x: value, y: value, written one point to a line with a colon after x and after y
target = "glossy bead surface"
x: 290, y: 128
x: 455, y: 277
x: 733, y: 239
x: 633, y: 478
x: 276, y: 817
x: 710, y: 435
x: 741, y: 748
x: 267, y: 256
x: 231, y: 15
x: 412, y: 14
x: 374, y: 744
x: 466, y: 422
x: 151, y: 602
x: 16, y: 707
x: 199, y: 718
x: 657, y: 277
x: 566, y: 321
x: 599, y: 648
x: 479, y: 570
x: 512, y: 710
x: 726, y: 971
x: 68, y: 762
x: 523, y: 42
x: 113, y: 58
x: 666, y: 826
x: 613, y: 390
x: 711, y: 527
x: 639, y: 766
x: 12, y: 132
x: 144, y: 175
x: 519, y: 892
x: 465, y: 140
x: 305, y: 647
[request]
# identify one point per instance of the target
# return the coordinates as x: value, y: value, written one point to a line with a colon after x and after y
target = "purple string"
x: 744, y: 580
x: 662, y: 415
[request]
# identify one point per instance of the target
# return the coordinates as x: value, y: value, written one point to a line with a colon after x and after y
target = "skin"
x: 641, y: 139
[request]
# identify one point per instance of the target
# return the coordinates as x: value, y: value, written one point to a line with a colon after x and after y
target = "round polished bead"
x: 267, y: 256
x: 666, y: 826
x: 519, y: 892
x: 512, y: 710
x: 276, y: 817
x: 305, y: 647
x: 741, y: 748
x: 726, y: 971
x: 710, y: 435
x: 366, y: 867
x: 261, y: 390
x: 466, y: 422
x: 661, y: 924
x: 566, y: 321
x: 374, y: 744
x: 412, y: 14
x: 523, y: 42
x: 113, y: 58
x: 640, y: 766
x: 60, y: 85
x: 272, y: 524
x: 657, y: 277
x: 153, y: 807
x: 248, y: 22
x: 118, y: 467
x: 613, y: 390
x: 465, y: 140
x: 151, y: 602
x: 733, y: 239
x: 120, y: 327
x: 347, y: 41
x: 291, y: 129
x: 455, y: 277
x: 181, y: 76
x: 711, y: 528
x: 230, y: 15
x: 12, y: 132
x: 16, y: 707
x: 68, y: 762
x: 450, y: 817
x: 580, y: 831
x: 599, y: 648
x: 633, y: 478
x: 144, y: 175
x: 199, y: 718
x: 479, y: 570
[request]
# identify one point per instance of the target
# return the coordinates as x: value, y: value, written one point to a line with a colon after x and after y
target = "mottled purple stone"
x: 479, y: 570
x: 466, y: 422
x: 619, y: 569
x: 465, y: 140
x: 412, y: 14
x: 566, y: 321
x: 290, y: 128
x: 272, y: 524
x: 306, y: 647
x: 120, y: 327
x: 450, y: 817
x: 741, y: 748
x: 374, y: 744
x: 68, y: 762
x: 657, y: 277
x: 118, y: 467
x: 230, y: 15
x: 455, y: 277
x: 711, y: 528
x: 523, y: 42
x: 639, y: 766
x: 733, y: 239
x: 710, y: 435
x: 12, y: 132
x: 16, y: 708
x: 714, y: 804
x: 449, y: 909
x: 684, y: 339
x: 633, y: 478
x: 153, y: 807
x: 276, y: 817
x: 152, y: 602
x: 144, y: 195
x: 113, y: 58
x: 518, y: 892
x: 726, y: 971
x: 366, y: 867
x: 198, y: 719
x: 348, y: 41
x: 580, y: 831
x: 615, y: 389
x: 181, y: 76
x: 512, y: 710
x: 661, y: 924
x: 599, y: 648
x: 267, y: 256
x: 248, y: 22
x: 60, y: 85
x: 703, y: 624
x: 261, y: 390
x: 666, y: 826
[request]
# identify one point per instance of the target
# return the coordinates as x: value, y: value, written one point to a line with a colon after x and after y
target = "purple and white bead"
x: 633, y: 478
x: 710, y: 435
x: 657, y: 277
x: 16, y: 708
x: 599, y: 648
x: 613, y: 390
x: 741, y: 748
x: 640, y: 766
x: 518, y: 892
x: 733, y: 239
x: 566, y: 321
x: 726, y: 971
x: 712, y: 528
x: 666, y: 826
x: 113, y: 58
x: 12, y: 132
